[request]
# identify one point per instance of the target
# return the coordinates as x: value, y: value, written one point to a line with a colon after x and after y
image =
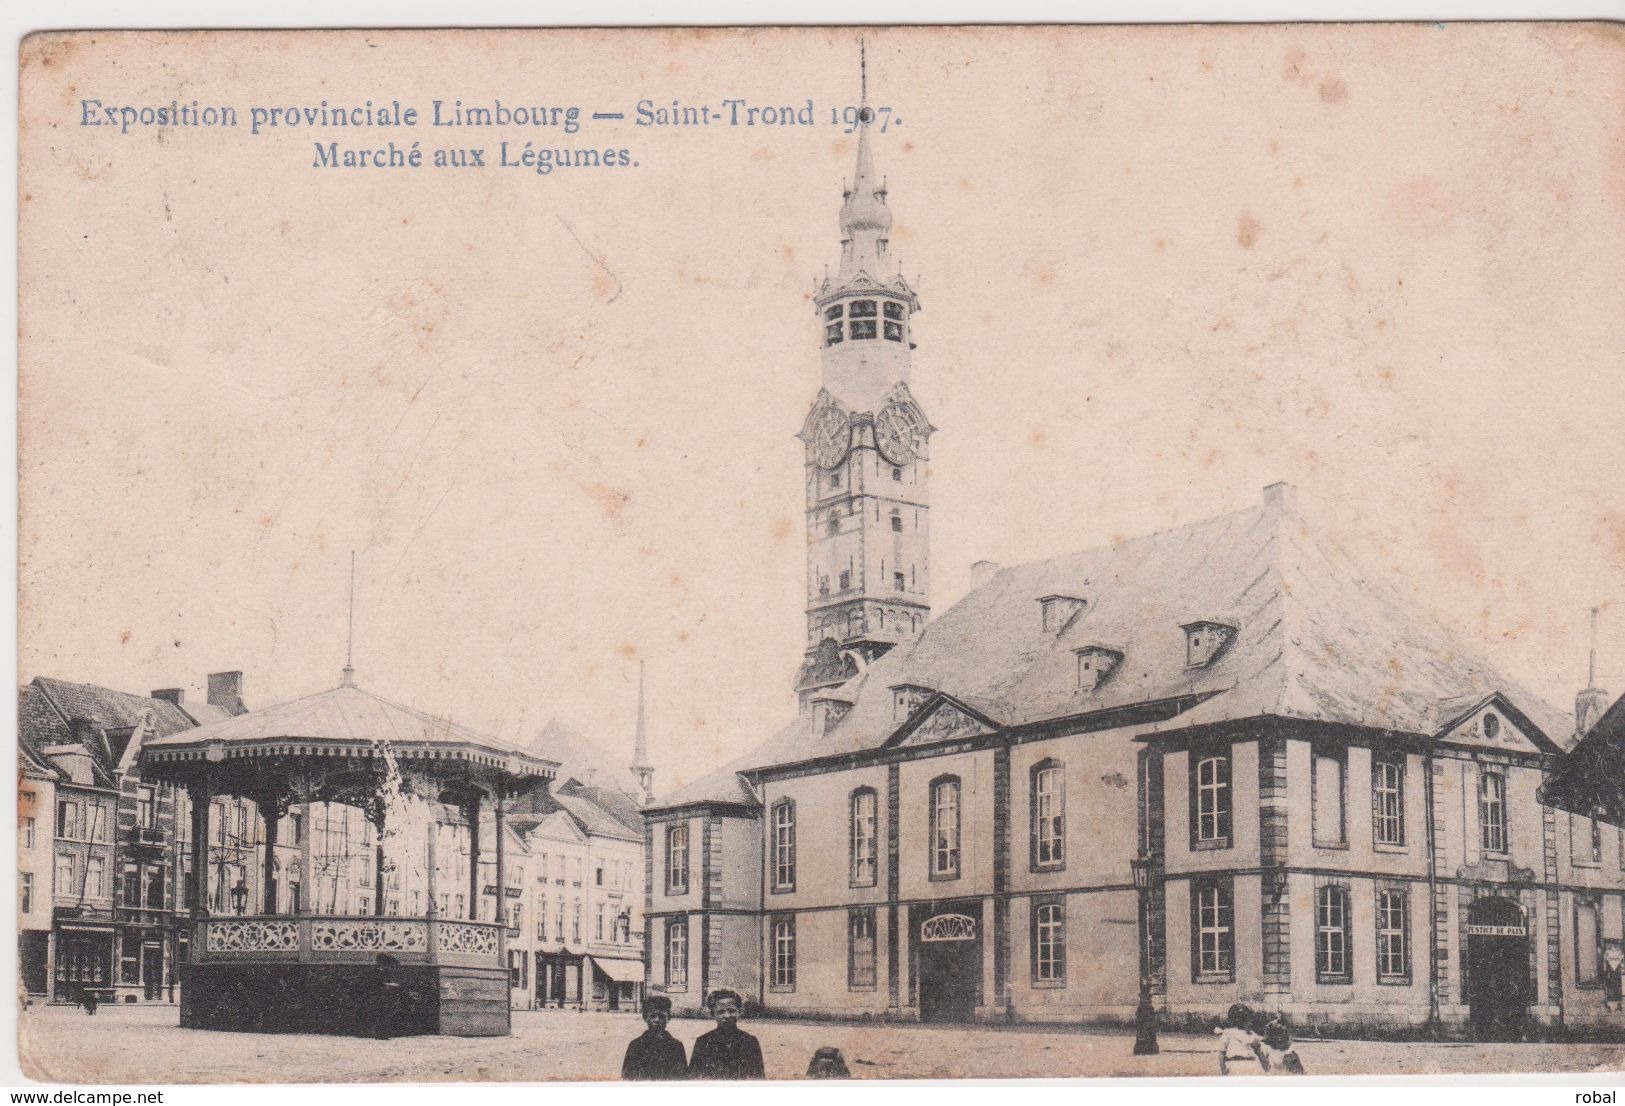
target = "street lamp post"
x: 1145, y: 1015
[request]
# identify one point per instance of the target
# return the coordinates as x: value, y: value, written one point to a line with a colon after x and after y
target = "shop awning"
x: 621, y: 971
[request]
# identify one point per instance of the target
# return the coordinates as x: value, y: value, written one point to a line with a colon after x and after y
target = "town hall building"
x: 1335, y: 798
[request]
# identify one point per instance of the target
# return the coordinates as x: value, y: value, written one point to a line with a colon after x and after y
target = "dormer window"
x: 1058, y: 610
x: 906, y: 699
x: 1204, y: 641
x: 1095, y: 664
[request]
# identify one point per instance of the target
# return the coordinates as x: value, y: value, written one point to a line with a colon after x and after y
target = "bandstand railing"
x: 346, y: 939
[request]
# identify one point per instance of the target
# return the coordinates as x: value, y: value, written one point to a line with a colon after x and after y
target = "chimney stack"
x: 174, y: 695
x: 983, y: 571
x: 1282, y: 497
x: 1590, y: 704
x: 226, y: 692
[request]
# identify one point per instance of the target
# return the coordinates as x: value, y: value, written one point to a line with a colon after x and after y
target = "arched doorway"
x: 948, y: 953
x: 1497, y: 969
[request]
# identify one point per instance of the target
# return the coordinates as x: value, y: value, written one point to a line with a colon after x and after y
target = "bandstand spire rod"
x: 349, y: 644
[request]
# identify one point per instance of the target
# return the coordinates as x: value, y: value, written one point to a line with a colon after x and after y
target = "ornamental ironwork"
x: 253, y: 936
x: 948, y: 927
x: 480, y: 940
x: 369, y: 936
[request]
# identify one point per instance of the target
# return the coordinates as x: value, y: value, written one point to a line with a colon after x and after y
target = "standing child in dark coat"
x: 727, y: 1052
x: 656, y: 1054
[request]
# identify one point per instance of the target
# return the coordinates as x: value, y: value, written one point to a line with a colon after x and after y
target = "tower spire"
x: 641, y: 768
x: 865, y: 218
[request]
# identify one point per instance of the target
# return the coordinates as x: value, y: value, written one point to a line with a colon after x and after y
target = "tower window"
x: 832, y: 334
x: 835, y: 312
x: 862, y: 328
x: 897, y: 474
x: 893, y: 331
x: 897, y: 522
x: 834, y: 527
x: 897, y: 581
x: 894, y: 310
x: 862, y: 309
x: 846, y: 580
x: 834, y: 479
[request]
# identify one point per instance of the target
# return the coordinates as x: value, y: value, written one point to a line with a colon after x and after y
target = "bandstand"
x: 420, y: 782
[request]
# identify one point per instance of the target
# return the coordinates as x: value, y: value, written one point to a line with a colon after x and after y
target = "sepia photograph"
x: 883, y: 553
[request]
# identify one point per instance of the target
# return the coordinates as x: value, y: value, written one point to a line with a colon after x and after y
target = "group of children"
x: 727, y: 1052
x: 1247, y: 1037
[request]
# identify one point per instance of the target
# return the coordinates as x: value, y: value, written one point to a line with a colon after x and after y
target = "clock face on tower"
x: 898, y: 431
x: 830, y: 437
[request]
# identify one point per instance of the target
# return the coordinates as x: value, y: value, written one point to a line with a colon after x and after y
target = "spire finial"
x: 863, y: 73
x: 349, y: 645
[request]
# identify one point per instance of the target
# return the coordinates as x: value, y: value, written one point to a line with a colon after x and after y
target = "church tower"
x: 867, y: 464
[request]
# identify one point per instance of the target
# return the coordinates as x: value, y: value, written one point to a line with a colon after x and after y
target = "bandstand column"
x: 378, y: 864
x: 198, y: 793
x: 270, y: 814
x: 501, y: 918
x: 473, y: 818
x: 307, y: 873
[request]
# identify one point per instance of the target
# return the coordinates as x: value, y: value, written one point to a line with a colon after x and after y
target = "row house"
x: 583, y: 899
x: 100, y: 863
x: 1338, y: 799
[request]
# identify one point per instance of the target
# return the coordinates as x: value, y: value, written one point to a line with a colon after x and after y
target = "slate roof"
x: 1314, y: 641
x: 112, y: 710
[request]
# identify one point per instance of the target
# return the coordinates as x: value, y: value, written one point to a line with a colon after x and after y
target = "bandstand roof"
x: 343, y: 721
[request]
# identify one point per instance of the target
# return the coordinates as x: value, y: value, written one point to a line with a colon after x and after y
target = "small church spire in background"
x: 1590, y: 704
x: 641, y: 768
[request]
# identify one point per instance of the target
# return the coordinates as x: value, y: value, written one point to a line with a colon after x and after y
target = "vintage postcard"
x: 1023, y: 551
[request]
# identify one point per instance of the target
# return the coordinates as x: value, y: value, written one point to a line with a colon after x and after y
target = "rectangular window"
x: 945, y: 829
x: 860, y: 949
x: 1332, y: 934
x: 897, y: 582
x: 1585, y: 840
x: 846, y: 581
x: 1393, y: 937
x: 865, y: 838
x: 861, y: 309
x: 600, y: 924
x: 1213, y: 937
x: 892, y: 331
x: 132, y: 885
x: 28, y: 833
x: 892, y: 310
x: 677, y: 954
x: 95, y: 878
x: 784, y: 953
x: 1492, y: 812
x: 1328, y: 776
x: 146, y: 809
x: 67, y: 819
x: 25, y: 891
x: 897, y: 524
x: 1388, y: 800
x: 1049, y: 942
x: 1587, y: 943
x: 1210, y: 805
x: 784, y: 846
x: 1048, y: 831
x: 677, y: 859
x: 862, y: 328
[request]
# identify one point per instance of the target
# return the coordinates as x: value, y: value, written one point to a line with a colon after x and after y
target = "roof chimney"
x: 226, y: 692
x: 170, y: 695
x: 1282, y: 497
x: 983, y: 571
x: 1591, y: 703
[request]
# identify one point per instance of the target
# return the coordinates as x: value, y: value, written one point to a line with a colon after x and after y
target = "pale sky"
x: 554, y: 415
